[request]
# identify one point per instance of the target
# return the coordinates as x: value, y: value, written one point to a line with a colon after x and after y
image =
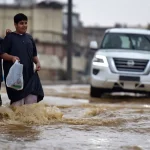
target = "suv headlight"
x: 100, y: 60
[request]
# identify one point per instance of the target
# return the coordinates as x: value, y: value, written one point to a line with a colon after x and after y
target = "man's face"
x: 21, y: 27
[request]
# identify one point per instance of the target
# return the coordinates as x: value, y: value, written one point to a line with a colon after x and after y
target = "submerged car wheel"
x: 96, y: 92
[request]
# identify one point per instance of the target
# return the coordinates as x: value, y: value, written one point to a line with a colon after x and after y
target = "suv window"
x: 126, y: 41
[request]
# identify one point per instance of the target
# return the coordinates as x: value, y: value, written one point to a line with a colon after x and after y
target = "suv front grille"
x: 130, y: 65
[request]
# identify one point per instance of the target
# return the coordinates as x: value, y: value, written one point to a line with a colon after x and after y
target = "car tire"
x: 96, y: 92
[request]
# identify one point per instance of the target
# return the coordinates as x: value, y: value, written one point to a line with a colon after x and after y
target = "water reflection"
x: 19, y: 132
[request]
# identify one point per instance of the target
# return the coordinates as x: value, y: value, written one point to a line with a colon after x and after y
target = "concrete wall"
x: 53, y: 62
x: 43, y: 22
x: 54, y: 69
x: 6, y: 18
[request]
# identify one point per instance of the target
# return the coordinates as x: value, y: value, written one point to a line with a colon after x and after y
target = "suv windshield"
x: 126, y: 41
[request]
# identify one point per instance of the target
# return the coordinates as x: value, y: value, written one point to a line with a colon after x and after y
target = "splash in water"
x: 30, y: 114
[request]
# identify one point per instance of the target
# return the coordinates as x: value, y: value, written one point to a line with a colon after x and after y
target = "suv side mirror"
x: 93, y: 45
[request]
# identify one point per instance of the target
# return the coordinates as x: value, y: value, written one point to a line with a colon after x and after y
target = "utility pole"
x: 69, y: 42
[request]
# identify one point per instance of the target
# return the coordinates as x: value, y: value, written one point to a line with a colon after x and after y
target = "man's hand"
x: 37, y: 63
x: 8, y: 31
x: 14, y: 58
x: 38, y: 66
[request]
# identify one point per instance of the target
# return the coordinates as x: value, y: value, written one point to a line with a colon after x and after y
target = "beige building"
x: 45, y: 20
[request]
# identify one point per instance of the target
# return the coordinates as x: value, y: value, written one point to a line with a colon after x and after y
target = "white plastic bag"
x: 14, y: 78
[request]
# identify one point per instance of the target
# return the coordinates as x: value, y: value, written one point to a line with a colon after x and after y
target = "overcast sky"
x: 109, y: 12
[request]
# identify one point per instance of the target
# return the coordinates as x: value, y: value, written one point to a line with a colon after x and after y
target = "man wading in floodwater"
x: 20, y: 46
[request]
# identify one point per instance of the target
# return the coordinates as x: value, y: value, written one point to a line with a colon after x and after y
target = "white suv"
x: 122, y: 63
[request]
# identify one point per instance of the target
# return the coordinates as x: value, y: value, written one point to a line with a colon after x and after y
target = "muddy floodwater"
x: 68, y: 119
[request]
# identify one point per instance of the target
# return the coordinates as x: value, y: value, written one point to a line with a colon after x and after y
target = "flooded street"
x: 68, y: 119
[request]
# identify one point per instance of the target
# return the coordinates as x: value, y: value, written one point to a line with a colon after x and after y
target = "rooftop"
x: 43, y: 4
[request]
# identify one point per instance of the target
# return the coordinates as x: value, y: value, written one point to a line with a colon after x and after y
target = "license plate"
x: 129, y: 78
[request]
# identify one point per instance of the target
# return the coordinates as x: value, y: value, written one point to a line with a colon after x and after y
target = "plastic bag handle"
x: 17, y: 61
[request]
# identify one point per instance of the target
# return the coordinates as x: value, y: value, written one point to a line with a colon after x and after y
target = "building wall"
x: 84, y: 36
x: 6, y: 18
x: 55, y: 69
x: 47, y: 19
x: 45, y: 24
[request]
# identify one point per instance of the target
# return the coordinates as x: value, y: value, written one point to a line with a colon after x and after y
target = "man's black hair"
x: 20, y: 17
